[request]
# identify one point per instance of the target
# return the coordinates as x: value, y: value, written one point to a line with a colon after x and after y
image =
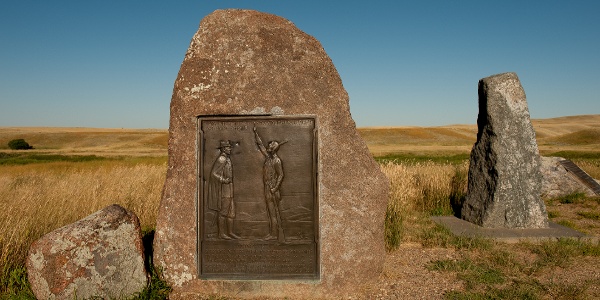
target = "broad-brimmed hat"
x: 225, y: 144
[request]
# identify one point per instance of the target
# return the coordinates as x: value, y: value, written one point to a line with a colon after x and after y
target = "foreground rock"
x: 100, y: 256
x: 245, y: 64
x: 504, y: 173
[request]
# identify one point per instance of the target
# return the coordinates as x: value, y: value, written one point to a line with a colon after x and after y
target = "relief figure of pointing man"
x: 272, y: 178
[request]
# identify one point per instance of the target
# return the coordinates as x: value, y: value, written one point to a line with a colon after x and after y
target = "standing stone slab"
x: 250, y: 79
x: 504, y: 173
x: 100, y: 256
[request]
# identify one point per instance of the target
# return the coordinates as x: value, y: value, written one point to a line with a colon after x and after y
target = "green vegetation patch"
x: 440, y: 236
x: 469, y: 271
x: 19, y: 144
x: 571, y: 198
x: 559, y: 253
x: 584, y: 155
x: 523, y: 291
x: 32, y: 158
x: 503, y: 274
x: 14, y: 284
x: 567, y: 223
x: 593, y: 215
x: 409, y: 158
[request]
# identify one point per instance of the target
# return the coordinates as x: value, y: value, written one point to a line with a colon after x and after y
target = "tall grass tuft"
x: 426, y: 186
x: 419, y: 188
x: 393, y: 228
x: 38, y: 199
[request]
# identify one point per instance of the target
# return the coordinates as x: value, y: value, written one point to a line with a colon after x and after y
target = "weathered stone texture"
x: 557, y: 181
x: 99, y: 256
x: 244, y: 62
x: 504, y: 173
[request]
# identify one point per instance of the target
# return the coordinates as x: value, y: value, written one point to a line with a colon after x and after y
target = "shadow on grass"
x: 156, y: 288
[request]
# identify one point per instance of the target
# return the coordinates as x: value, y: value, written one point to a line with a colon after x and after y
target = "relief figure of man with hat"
x: 220, y: 192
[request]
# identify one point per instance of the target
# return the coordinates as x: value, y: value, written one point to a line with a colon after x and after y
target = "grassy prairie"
x: 73, y: 172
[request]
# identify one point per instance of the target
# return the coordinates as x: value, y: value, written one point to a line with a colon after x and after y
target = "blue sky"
x: 113, y: 63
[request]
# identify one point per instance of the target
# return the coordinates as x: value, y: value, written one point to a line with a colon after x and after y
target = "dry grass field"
x: 73, y: 172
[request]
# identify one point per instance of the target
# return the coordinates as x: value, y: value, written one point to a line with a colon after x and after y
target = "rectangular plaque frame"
x: 257, y: 201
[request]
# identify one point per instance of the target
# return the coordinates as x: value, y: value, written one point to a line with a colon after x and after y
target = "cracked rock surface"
x: 100, y: 256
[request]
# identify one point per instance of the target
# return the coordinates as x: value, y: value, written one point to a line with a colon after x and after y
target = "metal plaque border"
x: 199, y: 207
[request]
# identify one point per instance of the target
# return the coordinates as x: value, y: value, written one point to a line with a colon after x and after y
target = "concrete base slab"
x: 463, y: 228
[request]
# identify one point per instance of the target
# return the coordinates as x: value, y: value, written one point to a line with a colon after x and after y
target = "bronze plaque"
x: 257, y: 198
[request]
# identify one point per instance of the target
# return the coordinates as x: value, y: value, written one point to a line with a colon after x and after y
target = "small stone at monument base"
x: 100, y: 256
x: 504, y: 182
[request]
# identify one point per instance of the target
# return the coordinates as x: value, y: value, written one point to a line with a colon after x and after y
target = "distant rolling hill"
x: 96, y: 141
x: 573, y: 133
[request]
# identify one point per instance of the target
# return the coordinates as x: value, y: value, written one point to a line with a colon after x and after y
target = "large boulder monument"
x: 270, y: 190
